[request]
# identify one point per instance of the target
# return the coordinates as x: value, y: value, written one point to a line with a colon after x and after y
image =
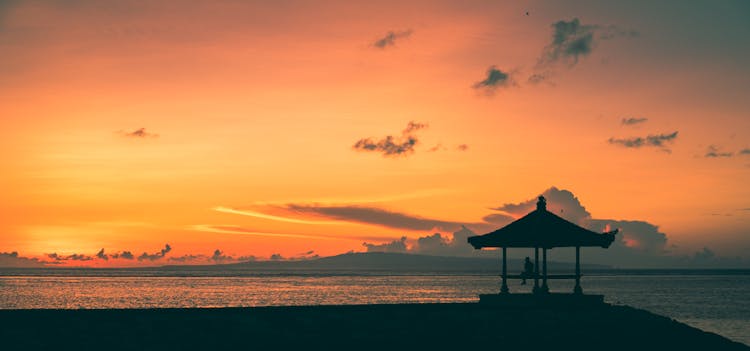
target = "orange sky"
x: 252, y: 106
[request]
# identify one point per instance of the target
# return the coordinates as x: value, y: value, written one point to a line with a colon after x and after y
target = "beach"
x: 396, y: 326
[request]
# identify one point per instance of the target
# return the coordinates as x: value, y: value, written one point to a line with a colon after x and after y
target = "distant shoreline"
x: 400, y: 326
x: 361, y: 264
x: 201, y: 271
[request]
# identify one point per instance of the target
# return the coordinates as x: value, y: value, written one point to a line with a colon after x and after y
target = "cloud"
x: 633, y: 121
x: 495, y: 79
x: 440, y: 147
x: 101, y: 255
x: 539, y: 77
x: 234, y: 229
x: 636, y: 235
x: 658, y: 140
x: 498, y: 218
x: 276, y: 257
x: 393, y: 145
x: 713, y: 152
x: 219, y: 257
x: 357, y: 213
x: 250, y: 213
x: 560, y: 202
x: 13, y: 260
x: 572, y: 40
x: 155, y: 256
x: 414, y: 126
x: 74, y: 257
x: 378, y: 216
x: 703, y: 255
x: 435, y: 244
x: 139, y: 133
x: 437, y: 147
x: 390, y: 38
x: 398, y: 246
x: 126, y: 255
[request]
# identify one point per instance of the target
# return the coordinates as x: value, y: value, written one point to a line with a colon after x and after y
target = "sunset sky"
x: 302, y: 128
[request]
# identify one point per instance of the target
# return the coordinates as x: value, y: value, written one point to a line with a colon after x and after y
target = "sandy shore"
x: 420, y: 326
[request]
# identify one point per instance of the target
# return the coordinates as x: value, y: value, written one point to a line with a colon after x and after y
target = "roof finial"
x: 541, y: 205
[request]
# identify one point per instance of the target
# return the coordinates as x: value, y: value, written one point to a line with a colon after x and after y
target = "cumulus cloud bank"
x: 125, y: 255
x: 435, y: 244
x: 637, y: 243
x: 398, y: 246
x: 12, y: 259
x: 155, y: 256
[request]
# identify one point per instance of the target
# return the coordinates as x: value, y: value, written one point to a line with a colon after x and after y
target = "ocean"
x: 719, y: 303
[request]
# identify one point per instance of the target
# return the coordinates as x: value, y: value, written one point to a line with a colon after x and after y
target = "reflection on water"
x: 715, y: 303
x: 145, y: 292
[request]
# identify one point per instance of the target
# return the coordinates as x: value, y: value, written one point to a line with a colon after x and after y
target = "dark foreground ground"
x: 385, y: 327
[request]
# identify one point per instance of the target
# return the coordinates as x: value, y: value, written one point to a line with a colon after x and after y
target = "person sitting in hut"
x: 528, y: 270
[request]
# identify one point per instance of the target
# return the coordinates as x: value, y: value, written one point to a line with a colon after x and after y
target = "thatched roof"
x: 544, y: 229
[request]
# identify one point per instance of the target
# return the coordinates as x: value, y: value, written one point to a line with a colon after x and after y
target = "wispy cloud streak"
x: 390, y: 38
x: 713, y: 151
x: 657, y: 140
x: 256, y: 214
x: 631, y: 121
x: 138, y: 133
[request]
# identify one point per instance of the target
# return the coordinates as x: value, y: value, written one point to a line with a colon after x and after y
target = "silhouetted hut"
x: 545, y: 230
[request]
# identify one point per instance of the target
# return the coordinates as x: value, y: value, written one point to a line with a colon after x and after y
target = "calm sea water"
x: 717, y: 303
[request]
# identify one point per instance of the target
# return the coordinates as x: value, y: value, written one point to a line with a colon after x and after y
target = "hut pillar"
x: 504, y: 287
x: 577, y: 289
x: 536, y: 270
x: 545, y: 287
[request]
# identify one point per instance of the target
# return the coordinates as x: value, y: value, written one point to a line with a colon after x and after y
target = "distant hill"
x: 379, y: 262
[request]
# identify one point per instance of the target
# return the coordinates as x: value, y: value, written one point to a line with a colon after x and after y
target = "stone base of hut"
x: 556, y: 300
